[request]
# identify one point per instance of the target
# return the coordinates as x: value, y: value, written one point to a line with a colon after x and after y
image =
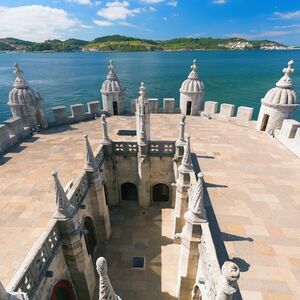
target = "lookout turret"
x: 113, y: 94
x: 192, y: 93
x: 26, y: 102
x: 278, y: 104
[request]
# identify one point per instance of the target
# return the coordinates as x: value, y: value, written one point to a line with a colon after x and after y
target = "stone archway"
x: 63, y: 291
x: 129, y: 192
x: 160, y: 193
x: 90, y: 236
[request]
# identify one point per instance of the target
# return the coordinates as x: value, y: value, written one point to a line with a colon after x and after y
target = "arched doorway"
x: 90, y: 237
x: 63, y: 291
x: 129, y: 192
x: 160, y: 193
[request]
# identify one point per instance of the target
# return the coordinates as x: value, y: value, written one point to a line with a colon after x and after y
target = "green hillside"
x: 123, y: 43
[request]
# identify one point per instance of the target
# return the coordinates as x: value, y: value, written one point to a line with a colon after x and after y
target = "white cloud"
x: 153, y: 1
x: 165, y: 18
x: 288, y: 15
x: 219, y: 1
x: 103, y: 23
x: 134, y: 26
x: 151, y: 8
x: 117, y: 10
x: 172, y: 3
x: 36, y: 22
x: 81, y: 2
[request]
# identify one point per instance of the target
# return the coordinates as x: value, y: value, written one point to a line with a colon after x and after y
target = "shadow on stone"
x: 242, y: 264
x: 227, y: 237
x: 206, y: 157
x: 58, y: 129
x: 213, y: 185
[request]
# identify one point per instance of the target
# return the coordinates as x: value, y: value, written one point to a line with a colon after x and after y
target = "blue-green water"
x: 240, y: 78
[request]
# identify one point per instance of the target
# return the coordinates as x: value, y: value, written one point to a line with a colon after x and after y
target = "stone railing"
x: 243, y: 116
x: 79, y: 190
x: 99, y: 156
x: 162, y: 148
x: 125, y: 148
x: 289, y: 135
x: 168, y: 106
x: 155, y: 148
x: 11, y: 132
x: 34, y: 267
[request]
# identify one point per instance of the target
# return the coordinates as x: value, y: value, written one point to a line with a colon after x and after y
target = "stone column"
x: 96, y: 191
x: 190, y: 239
x: 106, y: 140
x: 228, y: 281
x: 180, y: 142
x: 73, y: 244
x: 11, y: 296
x: 106, y: 290
x: 182, y: 185
x: 143, y: 166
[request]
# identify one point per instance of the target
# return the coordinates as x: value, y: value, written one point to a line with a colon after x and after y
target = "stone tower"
x: 26, y: 102
x: 192, y: 93
x: 113, y: 94
x: 278, y: 104
x: 143, y: 114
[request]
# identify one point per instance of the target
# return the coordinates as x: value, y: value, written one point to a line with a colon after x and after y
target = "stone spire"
x: 64, y: 208
x: 20, y: 82
x: 186, y: 164
x: 142, y: 135
x: 182, y: 128
x: 286, y: 81
x: 90, y: 161
x: 193, y: 75
x: 111, y: 73
x: 106, y: 291
x: 196, y: 212
x: 106, y: 139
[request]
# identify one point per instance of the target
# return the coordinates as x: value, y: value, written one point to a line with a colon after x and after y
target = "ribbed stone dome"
x: 193, y: 83
x: 22, y: 93
x: 112, y: 83
x: 283, y: 93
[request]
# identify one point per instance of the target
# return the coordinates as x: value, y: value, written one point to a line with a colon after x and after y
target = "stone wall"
x: 289, y: 135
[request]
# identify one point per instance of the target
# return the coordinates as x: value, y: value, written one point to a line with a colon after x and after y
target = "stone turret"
x: 26, y: 102
x: 113, y: 93
x: 278, y: 104
x: 192, y: 93
x: 142, y: 115
x: 106, y: 290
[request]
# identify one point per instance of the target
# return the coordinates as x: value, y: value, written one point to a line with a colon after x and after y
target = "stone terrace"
x: 253, y: 186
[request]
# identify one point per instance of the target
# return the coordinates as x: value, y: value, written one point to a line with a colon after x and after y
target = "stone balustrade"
x: 34, y: 267
x: 79, y: 190
x: 289, y: 135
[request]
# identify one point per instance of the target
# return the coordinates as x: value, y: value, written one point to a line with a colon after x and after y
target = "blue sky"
x: 277, y: 20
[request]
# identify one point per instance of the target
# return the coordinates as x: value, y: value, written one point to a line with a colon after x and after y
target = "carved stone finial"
x: 90, y: 161
x: 111, y: 71
x: 186, y: 164
x: 228, y: 282
x: 289, y: 70
x: 194, y: 75
x: 20, y: 82
x: 64, y: 208
x: 106, y: 139
x: 106, y: 291
x: 142, y: 91
x: 196, y: 212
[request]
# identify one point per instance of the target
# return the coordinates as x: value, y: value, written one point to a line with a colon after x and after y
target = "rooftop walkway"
x: 253, y: 186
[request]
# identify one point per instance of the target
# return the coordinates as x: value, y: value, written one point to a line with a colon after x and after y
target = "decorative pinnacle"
x: 20, y: 82
x: 186, y: 160
x: 106, y: 290
x: 111, y: 66
x: 18, y: 72
x: 111, y: 73
x: 289, y: 70
x: 64, y: 208
x: 194, y: 74
x: 90, y: 161
x: 142, y: 90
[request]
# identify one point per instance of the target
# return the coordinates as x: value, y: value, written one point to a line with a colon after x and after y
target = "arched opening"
x: 129, y: 192
x: 89, y: 236
x: 264, y: 122
x: 160, y: 193
x: 115, y: 107
x: 63, y: 291
x: 188, y: 108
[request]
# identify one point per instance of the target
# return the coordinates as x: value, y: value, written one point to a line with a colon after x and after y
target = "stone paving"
x: 252, y: 183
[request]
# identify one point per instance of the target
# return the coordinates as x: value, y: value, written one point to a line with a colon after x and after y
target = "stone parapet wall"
x: 11, y: 132
x: 289, y: 135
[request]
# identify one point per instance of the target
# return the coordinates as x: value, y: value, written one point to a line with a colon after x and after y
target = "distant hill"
x: 123, y: 43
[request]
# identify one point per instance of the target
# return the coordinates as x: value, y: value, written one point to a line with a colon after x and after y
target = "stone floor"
x: 253, y: 186
x: 143, y: 233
